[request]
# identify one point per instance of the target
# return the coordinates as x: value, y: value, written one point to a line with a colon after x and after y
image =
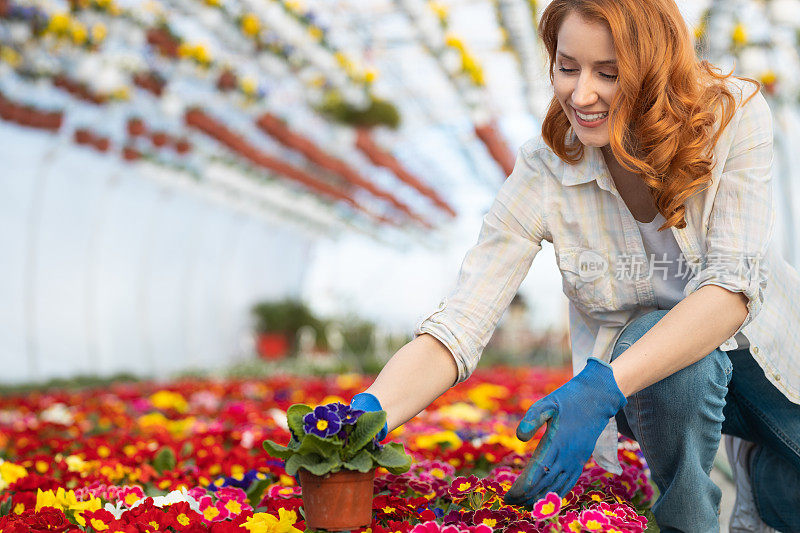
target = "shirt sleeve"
x: 741, y: 222
x: 492, y: 270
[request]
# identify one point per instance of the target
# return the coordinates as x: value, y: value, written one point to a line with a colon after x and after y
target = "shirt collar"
x: 591, y: 167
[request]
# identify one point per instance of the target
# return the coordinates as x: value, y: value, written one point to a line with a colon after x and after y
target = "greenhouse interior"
x: 227, y: 224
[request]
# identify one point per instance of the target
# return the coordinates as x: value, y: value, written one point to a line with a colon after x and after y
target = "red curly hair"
x: 661, y: 120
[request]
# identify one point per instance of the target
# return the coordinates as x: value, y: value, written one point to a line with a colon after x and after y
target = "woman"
x: 652, y: 180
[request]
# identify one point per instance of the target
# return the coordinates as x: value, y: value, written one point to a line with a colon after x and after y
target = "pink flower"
x: 593, y: 520
x: 130, y: 494
x: 281, y: 492
x: 197, y: 492
x: 231, y: 493
x: 428, y: 527
x: 547, y: 507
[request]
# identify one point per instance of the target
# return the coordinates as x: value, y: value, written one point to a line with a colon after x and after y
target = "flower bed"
x: 188, y: 456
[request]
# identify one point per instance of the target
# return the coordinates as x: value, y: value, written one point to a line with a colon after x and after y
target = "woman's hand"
x: 367, y: 402
x: 576, y: 414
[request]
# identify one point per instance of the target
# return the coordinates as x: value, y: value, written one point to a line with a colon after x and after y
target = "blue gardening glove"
x: 367, y: 402
x: 576, y: 414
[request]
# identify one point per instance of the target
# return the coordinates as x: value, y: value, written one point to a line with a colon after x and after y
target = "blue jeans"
x: 679, y: 421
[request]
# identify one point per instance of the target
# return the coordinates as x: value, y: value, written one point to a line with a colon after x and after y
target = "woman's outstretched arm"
x: 688, y: 332
x: 414, y: 377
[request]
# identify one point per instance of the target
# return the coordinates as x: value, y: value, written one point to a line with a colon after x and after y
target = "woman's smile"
x: 590, y: 120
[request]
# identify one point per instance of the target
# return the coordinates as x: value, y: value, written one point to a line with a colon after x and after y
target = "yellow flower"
x: 739, y: 35
x: 454, y: 42
x: 768, y: 77
x: 185, y: 50
x: 165, y: 399
x: 201, y: 54
x: 370, y: 75
x: 99, y: 32
x: 59, y: 23
x: 463, y: 412
x: 342, y: 60
x: 10, y: 473
x: 315, y: 33
x: 439, y: 9
x: 700, y: 30
x: 251, y: 25
x: 266, y: 523
x: 79, y: 32
x: 294, y: 5
x: 434, y: 439
x: 121, y: 93
x: 214, y: 3
x: 485, y: 395
x: 10, y: 56
x: 76, y: 464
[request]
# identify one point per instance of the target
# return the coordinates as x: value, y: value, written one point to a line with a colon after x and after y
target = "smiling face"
x: 585, y: 77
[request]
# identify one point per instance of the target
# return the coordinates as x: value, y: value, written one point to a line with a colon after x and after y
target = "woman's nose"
x: 584, y: 94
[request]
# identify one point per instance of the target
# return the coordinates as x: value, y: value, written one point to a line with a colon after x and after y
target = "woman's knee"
x: 696, y: 391
x: 636, y: 330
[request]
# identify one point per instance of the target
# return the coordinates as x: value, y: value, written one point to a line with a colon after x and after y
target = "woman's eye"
x: 562, y: 69
x: 609, y: 76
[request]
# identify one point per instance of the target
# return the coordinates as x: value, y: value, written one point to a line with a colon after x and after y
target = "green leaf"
x: 367, y: 427
x: 294, y: 417
x: 393, y: 457
x: 5, y: 507
x: 312, y: 462
x: 314, y: 444
x: 256, y: 491
x: 277, y: 451
x: 165, y: 460
x: 362, y: 462
x: 187, y: 449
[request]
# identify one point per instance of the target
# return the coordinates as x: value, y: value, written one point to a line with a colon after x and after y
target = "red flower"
x: 181, y: 517
x: 47, y: 519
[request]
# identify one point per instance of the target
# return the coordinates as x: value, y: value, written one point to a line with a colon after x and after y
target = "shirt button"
x: 777, y: 377
x: 755, y: 349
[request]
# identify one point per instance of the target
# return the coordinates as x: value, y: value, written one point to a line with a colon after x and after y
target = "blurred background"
x: 198, y: 185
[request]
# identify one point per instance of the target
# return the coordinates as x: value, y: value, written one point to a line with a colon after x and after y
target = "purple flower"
x: 322, y: 422
x: 345, y: 413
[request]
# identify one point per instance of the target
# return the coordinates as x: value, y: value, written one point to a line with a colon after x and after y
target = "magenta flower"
x: 570, y: 522
x: 547, y: 507
x: 462, y: 486
x: 593, y: 520
x: 429, y: 527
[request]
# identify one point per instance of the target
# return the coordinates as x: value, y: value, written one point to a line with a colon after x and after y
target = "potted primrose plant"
x: 335, y: 451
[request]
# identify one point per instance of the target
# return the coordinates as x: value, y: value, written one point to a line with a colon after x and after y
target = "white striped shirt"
x: 600, y: 253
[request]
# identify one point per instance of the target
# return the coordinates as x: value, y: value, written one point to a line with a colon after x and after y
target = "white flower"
x: 58, y: 413
x: 116, y: 510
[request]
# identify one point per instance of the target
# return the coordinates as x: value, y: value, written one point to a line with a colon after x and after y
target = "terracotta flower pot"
x: 337, y: 502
